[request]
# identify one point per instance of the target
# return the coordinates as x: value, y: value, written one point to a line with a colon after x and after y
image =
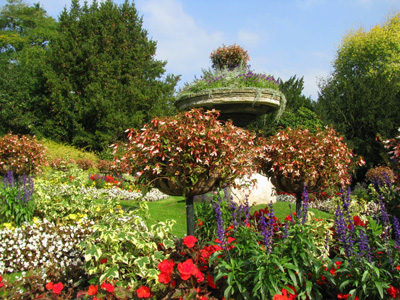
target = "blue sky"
x: 283, y: 37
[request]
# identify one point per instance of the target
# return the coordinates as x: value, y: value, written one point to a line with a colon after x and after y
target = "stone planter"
x: 202, y: 186
x: 242, y: 105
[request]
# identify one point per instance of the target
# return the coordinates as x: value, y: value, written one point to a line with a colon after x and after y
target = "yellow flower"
x: 98, y: 209
x: 36, y: 220
x: 72, y: 216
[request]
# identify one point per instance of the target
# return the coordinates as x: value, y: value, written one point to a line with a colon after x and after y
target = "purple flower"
x: 304, y: 210
x: 363, y: 246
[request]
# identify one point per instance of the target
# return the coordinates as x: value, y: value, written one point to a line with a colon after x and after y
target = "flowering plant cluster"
x: 16, y: 203
x: 393, y: 147
x: 21, y: 154
x: 265, y: 258
x: 319, y: 160
x: 229, y: 57
x: 100, y: 181
x: 42, y: 244
x: 239, y: 77
x: 190, y: 153
x: 379, y: 175
x: 187, y: 274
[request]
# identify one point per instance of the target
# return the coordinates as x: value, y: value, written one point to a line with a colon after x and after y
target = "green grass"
x: 174, y: 208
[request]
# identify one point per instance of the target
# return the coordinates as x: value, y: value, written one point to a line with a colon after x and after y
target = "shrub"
x: 189, y: 154
x: 21, y: 154
x: 379, y: 175
x: 123, y: 249
x: 393, y: 145
x: 105, y: 166
x: 62, y: 164
x: 229, y: 57
x: 85, y: 164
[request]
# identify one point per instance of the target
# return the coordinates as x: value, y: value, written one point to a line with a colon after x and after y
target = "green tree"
x: 102, y: 76
x: 299, y: 110
x: 361, y: 97
x: 24, y: 37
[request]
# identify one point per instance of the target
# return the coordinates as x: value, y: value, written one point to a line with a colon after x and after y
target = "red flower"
x: 288, y: 218
x: 49, y: 286
x: 143, y: 292
x: 108, y: 287
x: 166, y: 266
x: 189, y: 241
x: 392, y: 291
x: 285, y: 295
x: 199, y: 276
x: 211, y: 282
x: 186, y: 269
x: 200, y: 222
x: 92, y: 290
x: 1, y: 284
x: 164, y: 278
x: 57, y: 288
x: 103, y: 260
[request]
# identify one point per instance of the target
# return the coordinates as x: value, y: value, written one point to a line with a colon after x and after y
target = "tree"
x: 102, y: 76
x: 299, y: 110
x: 24, y: 37
x: 361, y: 97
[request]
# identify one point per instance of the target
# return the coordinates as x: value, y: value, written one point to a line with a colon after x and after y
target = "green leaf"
x: 110, y: 273
x: 378, y: 285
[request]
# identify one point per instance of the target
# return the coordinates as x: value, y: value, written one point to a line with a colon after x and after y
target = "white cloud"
x: 180, y: 41
x: 250, y: 39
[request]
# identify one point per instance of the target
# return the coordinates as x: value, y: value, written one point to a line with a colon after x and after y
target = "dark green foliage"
x: 25, y: 32
x: 360, y: 107
x: 102, y: 77
x: 299, y: 110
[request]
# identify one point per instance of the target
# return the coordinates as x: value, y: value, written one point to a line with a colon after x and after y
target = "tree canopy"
x: 361, y: 97
x: 83, y: 79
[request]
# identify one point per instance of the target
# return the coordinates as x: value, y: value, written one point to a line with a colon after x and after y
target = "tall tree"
x: 361, y: 98
x: 103, y: 77
x: 25, y: 32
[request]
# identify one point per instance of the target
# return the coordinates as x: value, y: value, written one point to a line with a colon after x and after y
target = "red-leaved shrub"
x: 190, y: 153
x: 21, y: 154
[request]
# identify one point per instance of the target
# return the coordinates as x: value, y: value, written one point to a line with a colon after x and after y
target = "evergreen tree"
x: 102, y: 76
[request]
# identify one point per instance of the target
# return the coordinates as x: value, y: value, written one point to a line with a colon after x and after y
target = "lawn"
x: 173, y: 208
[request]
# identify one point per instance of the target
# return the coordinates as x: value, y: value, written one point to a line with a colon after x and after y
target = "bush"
x: 85, y: 164
x: 21, y: 154
x: 62, y: 164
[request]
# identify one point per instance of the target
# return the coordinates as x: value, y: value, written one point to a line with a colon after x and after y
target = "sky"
x: 283, y: 37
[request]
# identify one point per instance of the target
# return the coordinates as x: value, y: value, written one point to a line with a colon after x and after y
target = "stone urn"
x: 241, y: 105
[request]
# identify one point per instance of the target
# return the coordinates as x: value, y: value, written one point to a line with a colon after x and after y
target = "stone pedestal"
x: 261, y: 193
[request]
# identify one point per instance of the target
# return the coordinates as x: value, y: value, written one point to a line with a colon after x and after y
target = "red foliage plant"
x: 229, y: 57
x: 393, y: 147
x: 21, y: 154
x: 318, y: 160
x: 190, y: 153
